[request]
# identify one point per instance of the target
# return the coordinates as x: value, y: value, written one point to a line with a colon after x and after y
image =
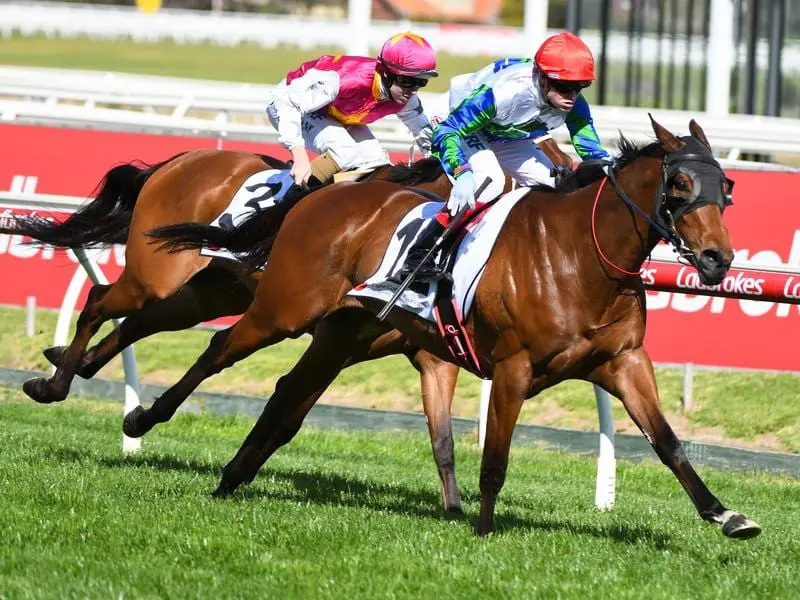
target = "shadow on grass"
x: 336, y: 490
x: 161, y: 463
x: 331, y: 489
x: 620, y: 533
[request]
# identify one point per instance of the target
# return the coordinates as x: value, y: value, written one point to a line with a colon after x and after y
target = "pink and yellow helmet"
x: 408, y: 54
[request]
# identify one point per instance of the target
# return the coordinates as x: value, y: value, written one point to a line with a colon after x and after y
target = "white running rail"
x: 235, y: 111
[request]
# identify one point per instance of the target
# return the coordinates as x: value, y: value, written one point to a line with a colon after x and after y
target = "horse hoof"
x: 55, y: 354
x: 740, y: 527
x: 224, y: 490
x: 133, y: 424
x: 453, y: 513
x: 40, y: 390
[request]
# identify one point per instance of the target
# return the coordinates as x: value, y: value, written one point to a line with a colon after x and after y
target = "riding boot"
x: 431, y: 269
x: 323, y: 168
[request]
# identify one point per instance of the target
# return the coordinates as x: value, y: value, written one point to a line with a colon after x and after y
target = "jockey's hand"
x: 423, y: 141
x: 559, y: 173
x: 462, y: 194
x: 301, y: 166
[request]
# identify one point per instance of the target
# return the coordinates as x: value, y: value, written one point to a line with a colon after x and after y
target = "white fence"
x: 236, y: 111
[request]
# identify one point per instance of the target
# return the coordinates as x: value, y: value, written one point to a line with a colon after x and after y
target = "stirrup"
x: 430, y: 271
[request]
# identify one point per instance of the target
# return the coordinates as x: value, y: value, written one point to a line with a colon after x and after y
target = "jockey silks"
x: 504, y: 103
x: 348, y: 89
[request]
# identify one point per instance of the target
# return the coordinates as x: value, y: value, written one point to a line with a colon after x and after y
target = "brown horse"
x: 560, y: 299
x: 158, y: 291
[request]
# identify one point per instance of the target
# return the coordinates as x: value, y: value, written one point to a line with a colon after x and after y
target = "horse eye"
x: 681, y: 185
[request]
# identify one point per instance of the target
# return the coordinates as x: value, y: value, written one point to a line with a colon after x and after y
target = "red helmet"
x: 408, y: 54
x: 565, y: 56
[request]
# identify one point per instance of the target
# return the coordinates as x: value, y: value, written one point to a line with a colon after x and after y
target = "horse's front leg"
x: 630, y: 378
x: 511, y: 382
x: 438, y: 380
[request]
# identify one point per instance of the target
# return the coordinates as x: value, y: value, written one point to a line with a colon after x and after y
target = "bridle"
x: 669, y: 210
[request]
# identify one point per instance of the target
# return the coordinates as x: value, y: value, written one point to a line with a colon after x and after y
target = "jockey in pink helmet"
x: 326, y: 104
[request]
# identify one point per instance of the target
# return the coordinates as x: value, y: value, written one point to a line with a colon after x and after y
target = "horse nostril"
x: 714, y: 258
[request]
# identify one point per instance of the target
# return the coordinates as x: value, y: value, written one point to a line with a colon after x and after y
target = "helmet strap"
x: 543, y: 85
x: 387, y: 79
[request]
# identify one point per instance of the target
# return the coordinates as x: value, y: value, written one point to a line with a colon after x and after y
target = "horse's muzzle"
x: 712, y: 265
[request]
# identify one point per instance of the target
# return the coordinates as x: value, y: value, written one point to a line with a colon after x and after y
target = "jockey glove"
x: 559, y: 173
x: 462, y: 194
x: 423, y: 140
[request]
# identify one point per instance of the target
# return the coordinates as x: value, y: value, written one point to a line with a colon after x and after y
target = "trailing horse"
x: 560, y: 298
x: 159, y: 291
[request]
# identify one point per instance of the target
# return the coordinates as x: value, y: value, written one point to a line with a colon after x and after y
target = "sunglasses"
x: 405, y: 81
x: 568, y: 87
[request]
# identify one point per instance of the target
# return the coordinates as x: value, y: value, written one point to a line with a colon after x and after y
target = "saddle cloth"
x: 259, y: 191
x: 471, y: 257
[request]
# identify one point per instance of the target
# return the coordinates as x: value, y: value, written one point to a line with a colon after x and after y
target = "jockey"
x: 326, y: 103
x: 497, y: 116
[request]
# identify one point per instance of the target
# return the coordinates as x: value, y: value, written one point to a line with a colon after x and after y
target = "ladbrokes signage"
x: 764, y: 224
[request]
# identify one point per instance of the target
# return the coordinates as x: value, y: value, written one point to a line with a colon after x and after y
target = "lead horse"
x: 560, y: 299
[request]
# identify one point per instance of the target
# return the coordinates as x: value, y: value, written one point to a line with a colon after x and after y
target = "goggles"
x: 568, y: 87
x: 408, y: 82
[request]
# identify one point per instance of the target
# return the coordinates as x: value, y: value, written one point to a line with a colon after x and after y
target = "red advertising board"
x: 764, y: 225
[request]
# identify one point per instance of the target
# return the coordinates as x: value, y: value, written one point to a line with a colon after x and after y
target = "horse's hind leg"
x: 210, y: 294
x: 438, y: 382
x: 104, y: 302
x: 630, y: 378
x: 438, y: 387
x: 333, y: 347
x: 93, y: 315
x: 256, y: 329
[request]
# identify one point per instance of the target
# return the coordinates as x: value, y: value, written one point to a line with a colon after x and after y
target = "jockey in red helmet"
x: 325, y: 105
x: 497, y: 117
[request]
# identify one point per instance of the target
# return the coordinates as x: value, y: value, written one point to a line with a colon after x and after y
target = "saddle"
x: 449, y: 319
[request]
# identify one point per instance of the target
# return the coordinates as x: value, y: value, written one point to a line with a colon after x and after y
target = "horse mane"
x: 586, y: 174
x: 425, y: 170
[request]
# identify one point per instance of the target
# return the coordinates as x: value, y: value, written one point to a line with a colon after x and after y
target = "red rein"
x: 594, y: 233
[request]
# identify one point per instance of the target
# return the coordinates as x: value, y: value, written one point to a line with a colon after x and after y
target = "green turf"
x: 355, y: 515
x: 245, y: 63
x: 746, y: 409
x: 251, y: 63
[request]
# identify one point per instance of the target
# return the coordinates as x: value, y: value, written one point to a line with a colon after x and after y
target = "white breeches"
x: 351, y: 146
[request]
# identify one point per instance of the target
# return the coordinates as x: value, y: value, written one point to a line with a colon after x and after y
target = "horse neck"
x: 440, y: 186
x: 625, y: 237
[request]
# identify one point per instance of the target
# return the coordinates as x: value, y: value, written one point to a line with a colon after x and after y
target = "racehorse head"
x: 692, y: 195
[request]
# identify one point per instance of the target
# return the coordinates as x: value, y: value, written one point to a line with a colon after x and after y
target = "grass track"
x: 344, y: 515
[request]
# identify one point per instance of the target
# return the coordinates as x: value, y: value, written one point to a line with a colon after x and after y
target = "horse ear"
x: 697, y: 132
x: 668, y: 140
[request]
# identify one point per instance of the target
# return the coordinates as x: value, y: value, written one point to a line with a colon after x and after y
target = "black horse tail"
x: 424, y: 170
x: 251, y: 240
x: 105, y: 220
